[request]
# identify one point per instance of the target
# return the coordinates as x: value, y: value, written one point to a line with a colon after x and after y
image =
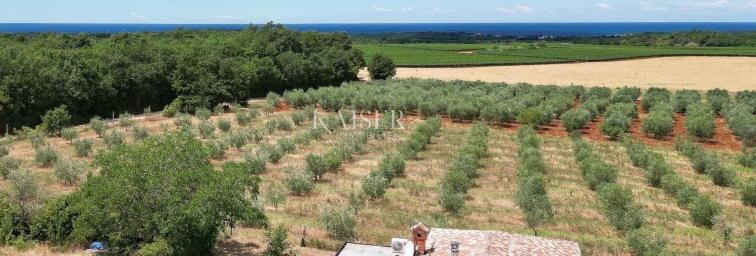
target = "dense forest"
x: 101, y: 74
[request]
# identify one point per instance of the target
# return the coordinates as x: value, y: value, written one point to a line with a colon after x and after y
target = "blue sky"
x: 372, y: 11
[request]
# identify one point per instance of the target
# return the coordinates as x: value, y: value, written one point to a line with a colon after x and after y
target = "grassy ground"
x: 490, y: 205
x: 408, y: 55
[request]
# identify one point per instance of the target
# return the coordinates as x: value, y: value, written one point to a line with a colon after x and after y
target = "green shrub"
x: 748, y: 157
x: 287, y: 145
x: 8, y: 165
x: 747, y: 247
x: 718, y: 99
x: 125, y: 120
x: 68, y: 172
x: 686, y: 196
x: 748, y: 192
x: 98, y: 125
x: 615, y: 125
x: 392, y: 165
x: 177, y: 165
x: 339, y: 223
x: 451, y: 200
x: 316, y: 165
x: 83, y: 147
x: 159, y: 247
x: 172, y: 109
x: 653, y: 96
x: 703, y: 210
x: 278, y: 244
x: 637, y: 152
x: 4, y: 149
x: 54, y: 222
x: 299, y: 117
x: 272, y: 99
x: 206, y: 129
x: 36, y: 138
x: 374, y: 185
x: 299, y: 183
x: 657, y: 168
x: 597, y: 173
x: 333, y: 160
x: 275, y: 195
x: 115, y: 138
x: 242, y: 117
x: 645, y: 242
x: 625, y: 109
x: 685, y: 98
x: 533, y: 116
x: 618, y: 206
x: 699, y: 121
x: 69, y: 134
x: 45, y: 157
x: 183, y: 122
x: 272, y: 153
x: 217, y: 149
x: 721, y: 176
x: 463, y: 111
x: 658, y: 124
x: 574, y: 120
x: 255, y: 165
x: 203, y: 114
x: 237, y: 140
x: 532, y: 198
x: 672, y: 183
x: 224, y: 125
x: 141, y: 133
x: 55, y: 120
x: 381, y: 67
x: 285, y: 125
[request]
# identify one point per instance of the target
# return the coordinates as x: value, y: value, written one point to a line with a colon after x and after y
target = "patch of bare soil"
x: 694, y: 72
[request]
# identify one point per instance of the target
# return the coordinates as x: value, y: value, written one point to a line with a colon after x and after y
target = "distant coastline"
x: 503, y: 29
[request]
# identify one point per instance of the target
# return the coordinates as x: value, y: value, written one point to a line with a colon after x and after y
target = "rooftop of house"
x: 474, y: 242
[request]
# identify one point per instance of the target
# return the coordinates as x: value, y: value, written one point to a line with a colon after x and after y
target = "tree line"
x: 101, y: 74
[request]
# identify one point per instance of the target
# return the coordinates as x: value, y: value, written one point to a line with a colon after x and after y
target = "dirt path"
x: 732, y: 73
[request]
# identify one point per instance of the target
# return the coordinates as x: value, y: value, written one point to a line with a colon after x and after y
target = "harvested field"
x: 701, y: 73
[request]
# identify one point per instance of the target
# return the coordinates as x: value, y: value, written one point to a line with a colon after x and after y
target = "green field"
x: 409, y: 55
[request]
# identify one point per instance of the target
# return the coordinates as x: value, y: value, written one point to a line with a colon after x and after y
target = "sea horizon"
x: 504, y: 29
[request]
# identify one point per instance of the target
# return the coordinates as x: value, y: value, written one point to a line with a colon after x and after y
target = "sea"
x: 503, y: 29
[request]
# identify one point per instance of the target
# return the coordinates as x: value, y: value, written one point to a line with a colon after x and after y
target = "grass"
x: 490, y: 204
x: 437, y: 55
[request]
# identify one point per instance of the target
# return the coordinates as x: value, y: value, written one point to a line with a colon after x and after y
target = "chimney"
x: 419, y: 236
x: 454, y: 248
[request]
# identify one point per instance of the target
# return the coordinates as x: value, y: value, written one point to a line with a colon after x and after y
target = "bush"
x: 114, y: 139
x: 83, y: 147
x: 618, y: 206
x: 644, y: 242
x: 278, y: 244
x: 159, y: 247
x: 686, y: 196
x: 183, y: 122
x: 285, y: 125
x: 203, y: 114
x: 172, y: 109
x: 141, y: 133
x: 625, y: 109
x: 98, y: 125
x: 4, y: 149
x: 8, y: 165
x: 748, y: 157
x: 381, y: 67
x: 125, y: 120
x: 747, y: 247
x: 532, y: 198
x: 55, y: 120
x: 374, y: 185
x: 672, y: 183
x: 718, y: 99
x: 299, y: 183
x: 45, y: 157
x: 653, y: 96
x: 699, y: 121
x: 217, y: 149
x: 206, y: 129
x: 574, y: 120
x: 657, y: 168
x: 339, y: 223
x: 68, y: 172
x: 255, y: 165
x: 451, y: 200
x: 597, y: 173
x: 242, y: 118
x: 685, y: 98
x: 286, y: 145
x: 392, y: 165
x: 748, y: 192
x: 533, y: 116
x: 637, y: 152
x: 615, y: 125
x: 237, y: 140
x: 224, y: 125
x: 177, y: 165
x: 721, y: 176
x: 658, y: 124
x: 69, y: 134
x: 463, y: 111
x: 703, y: 210
x: 36, y: 138
x: 299, y: 117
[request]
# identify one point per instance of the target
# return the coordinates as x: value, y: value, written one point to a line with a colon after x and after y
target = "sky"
x: 372, y: 11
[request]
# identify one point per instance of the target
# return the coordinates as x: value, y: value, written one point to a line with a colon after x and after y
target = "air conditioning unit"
x: 402, y: 247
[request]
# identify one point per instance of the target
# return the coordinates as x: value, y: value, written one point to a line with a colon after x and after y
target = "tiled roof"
x: 483, y: 243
